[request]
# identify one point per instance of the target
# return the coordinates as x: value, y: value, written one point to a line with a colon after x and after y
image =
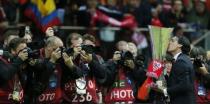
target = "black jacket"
x: 7, y: 71
x: 180, y: 84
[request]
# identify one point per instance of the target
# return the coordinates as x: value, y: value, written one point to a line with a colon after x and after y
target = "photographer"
x: 84, y: 89
x: 11, y: 90
x: 56, y: 67
x: 198, y: 56
x: 8, y: 36
x: 124, y: 73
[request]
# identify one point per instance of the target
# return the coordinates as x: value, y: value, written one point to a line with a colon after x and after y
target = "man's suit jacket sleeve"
x: 184, y: 81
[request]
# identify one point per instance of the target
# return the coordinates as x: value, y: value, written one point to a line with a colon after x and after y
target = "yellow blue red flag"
x: 44, y: 14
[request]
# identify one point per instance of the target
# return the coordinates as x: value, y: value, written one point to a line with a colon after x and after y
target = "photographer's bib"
x: 202, y: 93
x: 53, y: 93
x: 78, y: 91
x: 7, y: 93
x: 121, y: 90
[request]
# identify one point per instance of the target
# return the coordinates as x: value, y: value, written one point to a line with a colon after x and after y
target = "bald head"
x: 122, y: 46
x: 54, y: 41
x: 52, y: 44
x: 132, y: 48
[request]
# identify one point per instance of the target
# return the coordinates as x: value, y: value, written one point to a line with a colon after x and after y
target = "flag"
x: 127, y: 22
x: 44, y: 14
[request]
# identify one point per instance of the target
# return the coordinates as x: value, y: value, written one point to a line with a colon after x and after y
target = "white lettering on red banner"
x: 122, y: 94
x: 21, y: 95
x: 70, y: 86
x: 82, y: 98
x: 47, y: 97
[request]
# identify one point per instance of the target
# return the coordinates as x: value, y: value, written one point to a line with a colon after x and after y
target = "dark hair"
x: 169, y: 57
x: 176, y: 29
x: 70, y: 37
x: 22, y: 31
x: 9, y: 33
x: 196, y: 51
x: 173, y: 2
x: 89, y: 37
x: 15, y: 43
x: 185, y: 44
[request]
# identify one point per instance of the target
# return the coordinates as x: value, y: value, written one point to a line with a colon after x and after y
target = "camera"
x: 69, y: 51
x: 197, y: 55
x: 33, y: 54
x: 139, y: 60
x: 125, y: 55
x: 88, y: 48
x: 198, y: 62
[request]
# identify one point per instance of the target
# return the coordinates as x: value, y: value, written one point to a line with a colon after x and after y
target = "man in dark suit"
x: 180, y: 86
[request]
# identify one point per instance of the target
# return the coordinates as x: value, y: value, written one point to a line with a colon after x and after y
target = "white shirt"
x: 176, y: 55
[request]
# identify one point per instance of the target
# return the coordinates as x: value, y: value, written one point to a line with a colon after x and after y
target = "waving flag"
x: 44, y: 14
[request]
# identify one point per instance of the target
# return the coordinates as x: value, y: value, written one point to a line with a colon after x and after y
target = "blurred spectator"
x: 178, y: 31
x: 198, y: 19
x: 86, y: 11
x: 208, y: 5
x: 3, y: 20
x: 155, y: 16
x: 111, y: 9
x: 70, y: 17
x: 167, y: 5
x: 199, y: 16
x: 176, y: 15
x: 10, y: 10
x: 141, y: 10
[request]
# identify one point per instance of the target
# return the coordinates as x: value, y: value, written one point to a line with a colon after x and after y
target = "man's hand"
x: 77, y: 50
x: 116, y: 56
x: 68, y: 60
x: 49, y: 32
x: 55, y: 55
x: 130, y: 64
x: 158, y: 86
x: 203, y: 70
x: 32, y: 62
x: 85, y: 57
x: 23, y: 55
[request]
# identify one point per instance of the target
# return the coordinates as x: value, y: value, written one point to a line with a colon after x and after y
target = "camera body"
x: 33, y: 54
x: 125, y: 55
x: 88, y: 48
x: 139, y: 60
